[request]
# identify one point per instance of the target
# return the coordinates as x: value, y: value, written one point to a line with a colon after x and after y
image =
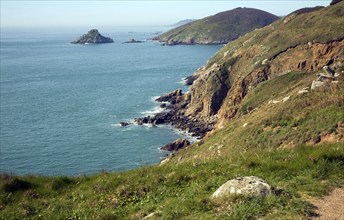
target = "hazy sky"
x: 128, y: 13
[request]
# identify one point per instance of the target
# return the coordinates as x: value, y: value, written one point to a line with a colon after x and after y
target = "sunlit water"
x: 61, y: 103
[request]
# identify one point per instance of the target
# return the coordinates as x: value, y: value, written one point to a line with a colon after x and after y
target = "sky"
x: 78, y: 13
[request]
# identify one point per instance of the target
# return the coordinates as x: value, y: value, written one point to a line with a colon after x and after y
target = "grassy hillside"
x: 220, y: 28
x: 180, y: 189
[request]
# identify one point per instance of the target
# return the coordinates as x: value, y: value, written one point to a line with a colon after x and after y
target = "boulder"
x: 317, y: 83
x: 304, y: 90
x: 123, y: 124
x: 329, y: 71
x: 176, y: 145
x: 247, y: 185
x: 92, y: 37
x: 322, y: 76
x: 190, y: 80
x: 144, y: 120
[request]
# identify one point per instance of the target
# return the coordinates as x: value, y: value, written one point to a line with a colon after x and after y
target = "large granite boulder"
x: 176, y: 145
x: 247, y: 185
x: 92, y: 37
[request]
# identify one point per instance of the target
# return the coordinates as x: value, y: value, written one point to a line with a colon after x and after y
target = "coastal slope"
x: 218, y: 29
x: 301, y: 42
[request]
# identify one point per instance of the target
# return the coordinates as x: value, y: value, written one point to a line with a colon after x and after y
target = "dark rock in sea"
x: 163, y: 105
x: 123, y: 124
x: 176, y: 145
x: 132, y: 41
x: 92, y: 37
x: 144, y: 120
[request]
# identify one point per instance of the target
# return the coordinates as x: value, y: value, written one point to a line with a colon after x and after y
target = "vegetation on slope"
x: 220, y: 28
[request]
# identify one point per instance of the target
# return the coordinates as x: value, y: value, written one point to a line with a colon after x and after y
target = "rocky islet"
x: 92, y: 37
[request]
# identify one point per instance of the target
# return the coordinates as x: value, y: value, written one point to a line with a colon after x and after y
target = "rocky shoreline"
x: 174, y: 105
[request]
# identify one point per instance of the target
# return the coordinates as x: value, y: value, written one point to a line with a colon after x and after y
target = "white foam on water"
x: 182, y: 81
x: 153, y: 111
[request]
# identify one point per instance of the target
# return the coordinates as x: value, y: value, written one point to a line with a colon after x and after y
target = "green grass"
x: 181, y: 191
x: 273, y: 89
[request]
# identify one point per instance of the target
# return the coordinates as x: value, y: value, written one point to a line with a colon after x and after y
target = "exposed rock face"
x: 92, y: 37
x: 176, y: 145
x: 170, y: 97
x: 248, y: 185
x: 329, y: 71
x: 324, y: 78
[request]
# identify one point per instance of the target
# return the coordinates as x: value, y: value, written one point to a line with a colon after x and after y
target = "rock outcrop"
x: 170, y: 97
x: 175, y: 115
x: 247, y: 185
x: 324, y: 78
x: 176, y: 145
x: 92, y: 37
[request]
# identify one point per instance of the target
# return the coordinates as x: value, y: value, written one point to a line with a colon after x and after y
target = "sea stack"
x: 92, y: 37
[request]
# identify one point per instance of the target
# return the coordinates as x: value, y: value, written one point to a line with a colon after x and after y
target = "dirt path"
x: 331, y: 207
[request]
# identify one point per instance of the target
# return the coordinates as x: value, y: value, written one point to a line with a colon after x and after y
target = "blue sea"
x: 61, y: 103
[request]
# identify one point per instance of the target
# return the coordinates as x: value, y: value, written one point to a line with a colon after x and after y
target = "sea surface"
x: 61, y: 103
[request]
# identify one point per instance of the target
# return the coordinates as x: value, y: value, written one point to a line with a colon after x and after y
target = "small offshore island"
x: 132, y: 41
x: 92, y: 37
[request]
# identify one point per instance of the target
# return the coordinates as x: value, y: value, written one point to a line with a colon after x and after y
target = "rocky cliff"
x: 92, y: 37
x: 301, y: 42
x: 218, y: 29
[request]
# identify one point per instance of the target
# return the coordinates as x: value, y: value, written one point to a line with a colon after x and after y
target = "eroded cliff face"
x: 305, y: 58
x: 300, y: 42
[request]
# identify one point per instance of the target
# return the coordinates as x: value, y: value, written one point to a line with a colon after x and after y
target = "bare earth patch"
x: 331, y: 207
